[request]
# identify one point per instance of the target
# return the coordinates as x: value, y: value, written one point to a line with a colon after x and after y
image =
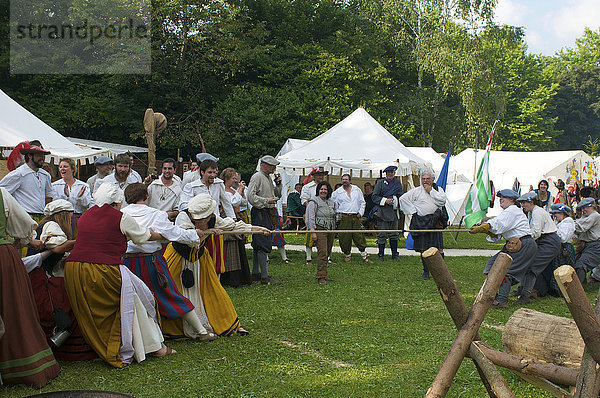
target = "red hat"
x: 15, y: 159
x: 34, y: 149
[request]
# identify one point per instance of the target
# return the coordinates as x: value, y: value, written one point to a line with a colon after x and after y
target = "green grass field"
x: 378, y: 330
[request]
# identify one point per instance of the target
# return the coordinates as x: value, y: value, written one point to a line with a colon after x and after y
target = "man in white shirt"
x: 208, y: 183
x: 194, y: 173
x: 426, y: 203
x: 164, y: 193
x: 350, y: 206
x: 29, y: 184
x: 543, y: 231
x: 121, y: 177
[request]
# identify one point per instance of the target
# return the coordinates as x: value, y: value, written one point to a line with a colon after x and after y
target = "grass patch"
x: 378, y: 330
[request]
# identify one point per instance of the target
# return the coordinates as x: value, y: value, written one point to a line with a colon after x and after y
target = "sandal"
x: 308, y: 262
x: 242, y: 332
x: 288, y: 261
x: 207, y: 336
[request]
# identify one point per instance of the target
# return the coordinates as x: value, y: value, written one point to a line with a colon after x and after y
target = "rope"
x: 341, y: 231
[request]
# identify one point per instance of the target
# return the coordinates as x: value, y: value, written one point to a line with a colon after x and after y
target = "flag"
x: 480, y: 195
x: 441, y: 182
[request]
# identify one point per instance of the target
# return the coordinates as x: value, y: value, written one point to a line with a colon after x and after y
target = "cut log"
x: 549, y: 338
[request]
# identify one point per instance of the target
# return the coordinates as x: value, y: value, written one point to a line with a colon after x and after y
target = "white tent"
x: 112, y: 148
x: 528, y: 167
x: 17, y: 124
x: 437, y: 161
x: 358, y: 145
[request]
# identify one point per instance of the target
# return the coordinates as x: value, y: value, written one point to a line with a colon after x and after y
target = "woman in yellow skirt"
x: 194, y: 271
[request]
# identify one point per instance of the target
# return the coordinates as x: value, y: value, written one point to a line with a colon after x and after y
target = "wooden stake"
x: 588, y: 379
x: 544, y: 384
x: 490, y: 376
x: 580, y: 307
x: 441, y: 384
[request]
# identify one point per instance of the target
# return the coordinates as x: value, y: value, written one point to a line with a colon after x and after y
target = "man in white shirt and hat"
x: 121, y: 177
x: 194, y: 174
x: 29, y: 184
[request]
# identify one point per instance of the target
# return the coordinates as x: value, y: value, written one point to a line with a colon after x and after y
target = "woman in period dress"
x: 320, y: 215
x: 194, y: 271
x: 115, y: 309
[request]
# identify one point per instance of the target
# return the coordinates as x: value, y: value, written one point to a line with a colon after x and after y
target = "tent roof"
x: 114, y: 149
x: 290, y: 145
x: 358, y: 144
x: 528, y: 167
x: 17, y: 124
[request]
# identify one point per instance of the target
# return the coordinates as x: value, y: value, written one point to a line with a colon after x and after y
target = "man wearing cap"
x: 512, y: 225
x: 262, y: 194
x: 565, y: 227
x: 164, y: 192
x: 307, y: 193
x: 543, y: 231
x: 104, y: 166
x: 350, y: 206
x: 587, y: 231
x: 121, y: 177
x: 194, y: 174
x: 386, y: 196
x: 29, y: 184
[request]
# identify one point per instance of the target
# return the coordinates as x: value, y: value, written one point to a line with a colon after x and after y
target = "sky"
x: 549, y: 25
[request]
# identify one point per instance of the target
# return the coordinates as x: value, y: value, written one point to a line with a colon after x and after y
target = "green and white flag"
x: 480, y: 195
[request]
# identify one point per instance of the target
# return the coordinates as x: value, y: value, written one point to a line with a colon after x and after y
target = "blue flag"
x: 441, y: 182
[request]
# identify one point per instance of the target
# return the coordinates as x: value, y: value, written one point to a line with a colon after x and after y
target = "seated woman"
x: 115, y: 309
x: 587, y: 231
x: 194, y: 270
x: 25, y: 357
x: 46, y: 275
x: 320, y: 215
x: 512, y: 225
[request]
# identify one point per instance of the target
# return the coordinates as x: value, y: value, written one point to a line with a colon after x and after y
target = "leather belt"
x: 348, y: 214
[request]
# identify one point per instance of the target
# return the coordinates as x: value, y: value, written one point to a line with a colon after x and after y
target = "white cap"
x: 107, y: 193
x: 56, y: 206
x: 201, y: 206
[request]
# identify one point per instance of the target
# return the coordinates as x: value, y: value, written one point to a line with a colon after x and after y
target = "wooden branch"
x: 544, y: 384
x: 441, y: 384
x: 588, y: 379
x: 448, y: 289
x: 554, y: 373
x: 580, y: 307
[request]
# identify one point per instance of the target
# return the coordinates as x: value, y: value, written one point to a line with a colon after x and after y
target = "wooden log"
x: 440, y: 385
x: 554, y: 373
x: 544, y: 384
x: 549, y: 338
x: 588, y: 379
x: 493, y: 381
x: 580, y: 307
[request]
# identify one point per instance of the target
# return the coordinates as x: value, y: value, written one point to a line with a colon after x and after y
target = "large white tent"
x: 358, y: 145
x: 527, y: 167
x: 17, y: 124
x: 112, y: 148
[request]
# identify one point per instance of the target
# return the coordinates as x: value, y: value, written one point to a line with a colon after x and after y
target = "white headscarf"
x: 107, y: 193
x: 56, y: 206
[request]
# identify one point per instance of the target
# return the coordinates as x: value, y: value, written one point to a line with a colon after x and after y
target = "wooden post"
x: 588, y: 379
x: 490, y: 376
x: 441, y: 384
x: 580, y: 307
